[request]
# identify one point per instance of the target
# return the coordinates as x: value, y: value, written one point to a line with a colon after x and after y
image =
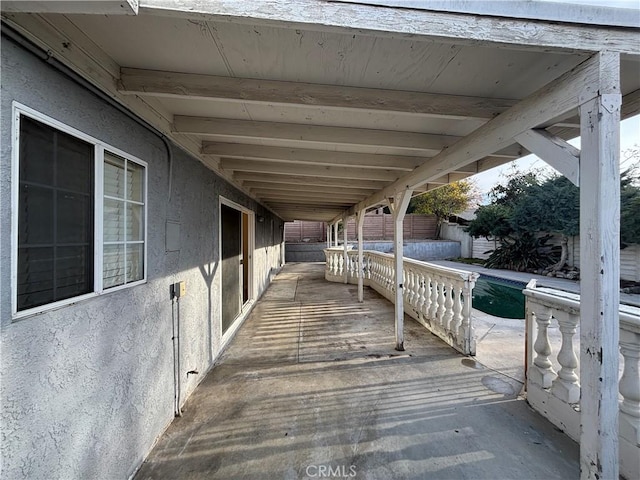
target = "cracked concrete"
x: 311, y: 387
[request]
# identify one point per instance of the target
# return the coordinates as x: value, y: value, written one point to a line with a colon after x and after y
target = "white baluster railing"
x: 557, y: 395
x: 438, y: 297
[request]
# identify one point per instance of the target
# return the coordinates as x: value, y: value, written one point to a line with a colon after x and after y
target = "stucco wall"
x: 87, y: 388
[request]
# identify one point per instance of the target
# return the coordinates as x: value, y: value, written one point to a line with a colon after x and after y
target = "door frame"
x: 246, y: 306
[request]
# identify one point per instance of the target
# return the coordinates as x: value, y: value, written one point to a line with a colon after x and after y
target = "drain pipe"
x: 175, y: 338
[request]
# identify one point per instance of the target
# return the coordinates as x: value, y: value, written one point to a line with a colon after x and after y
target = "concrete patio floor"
x: 311, y: 387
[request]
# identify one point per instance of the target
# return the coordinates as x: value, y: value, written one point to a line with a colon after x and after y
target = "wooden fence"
x: 481, y: 248
x: 376, y: 227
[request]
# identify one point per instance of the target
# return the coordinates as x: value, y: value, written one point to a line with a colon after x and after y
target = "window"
x: 123, y: 221
x: 80, y: 215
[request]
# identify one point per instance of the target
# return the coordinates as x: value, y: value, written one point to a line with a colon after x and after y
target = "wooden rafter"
x: 186, y: 85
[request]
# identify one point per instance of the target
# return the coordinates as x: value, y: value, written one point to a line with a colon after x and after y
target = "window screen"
x: 55, y: 215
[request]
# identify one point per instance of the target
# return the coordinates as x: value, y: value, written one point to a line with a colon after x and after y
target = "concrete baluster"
x: 433, y: 309
x: 422, y: 278
x: 566, y: 386
x: 448, y: 306
x: 541, y: 371
x: 441, y: 301
x: 457, y: 308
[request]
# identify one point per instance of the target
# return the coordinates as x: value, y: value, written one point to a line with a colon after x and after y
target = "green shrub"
x: 523, y: 253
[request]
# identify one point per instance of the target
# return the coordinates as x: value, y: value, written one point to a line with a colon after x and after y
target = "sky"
x: 629, y: 136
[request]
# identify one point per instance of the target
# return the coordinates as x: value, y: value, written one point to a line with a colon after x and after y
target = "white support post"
x: 329, y: 228
x: 345, y: 255
x: 335, y: 234
x: 360, y: 222
x: 600, y: 271
x: 398, y: 209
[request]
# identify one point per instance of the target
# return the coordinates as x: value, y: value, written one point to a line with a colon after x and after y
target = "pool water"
x: 499, y: 297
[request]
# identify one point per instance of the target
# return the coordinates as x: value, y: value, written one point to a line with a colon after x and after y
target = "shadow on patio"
x: 311, y: 387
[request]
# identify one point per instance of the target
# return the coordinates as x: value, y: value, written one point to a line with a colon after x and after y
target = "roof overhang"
x: 322, y: 109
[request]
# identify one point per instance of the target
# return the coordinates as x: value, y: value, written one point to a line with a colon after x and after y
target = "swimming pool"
x: 499, y: 297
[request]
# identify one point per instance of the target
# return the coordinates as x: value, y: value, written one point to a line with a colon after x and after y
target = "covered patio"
x: 312, y: 382
x: 323, y: 110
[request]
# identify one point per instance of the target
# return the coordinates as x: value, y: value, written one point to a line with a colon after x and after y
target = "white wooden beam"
x: 459, y: 29
x: 345, y: 195
x: 553, y: 150
x: 519, y: 9
x: 310, y: 156
x: 360, y: 229
x: 336, y: 138
x: 399, y: 204
x: 600, y: 271
x: 335, y: 233
x: 281, y: 202
x: 298, y: 188
x: 304, y: 209
x: 276, y: 179
x: 300, y: 200
x: 630, y: 108
x: 309, y: 202
x: 310, y: 191
x: 421, y: 144
x: 551, y: 101
x: 345, y: 246
x: 92, y: 7
x: 258, y: 166
x: 185, y: 85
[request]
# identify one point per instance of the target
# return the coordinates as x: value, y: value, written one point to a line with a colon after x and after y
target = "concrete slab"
x: 311, y: 387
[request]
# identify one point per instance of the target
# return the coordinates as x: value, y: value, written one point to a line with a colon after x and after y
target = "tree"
x: 521, y: 248
x: 528, y: 205
x: 630, y: 199
x: 491, y: 221
x: 445, y: 201
x: 550, y: 207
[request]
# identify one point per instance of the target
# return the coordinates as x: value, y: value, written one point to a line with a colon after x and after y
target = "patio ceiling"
x: 314, y: 118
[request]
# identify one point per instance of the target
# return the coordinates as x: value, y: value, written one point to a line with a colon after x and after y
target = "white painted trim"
x: 455, y: 28
x: 19, y: 109
x: 91, y: 7
x: 248, y: 305
x: 98, y: 240
x: 556, y: 11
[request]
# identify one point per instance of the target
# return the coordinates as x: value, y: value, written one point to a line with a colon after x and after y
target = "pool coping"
x: 571, y: 286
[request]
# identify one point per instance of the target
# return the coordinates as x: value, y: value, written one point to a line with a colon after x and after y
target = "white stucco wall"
x: 87, y: 388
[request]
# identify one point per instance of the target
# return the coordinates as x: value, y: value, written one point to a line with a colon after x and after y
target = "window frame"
x: 99, y: 148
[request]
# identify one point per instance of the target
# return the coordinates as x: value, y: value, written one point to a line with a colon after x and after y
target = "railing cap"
x: 462, y: 274
x: 570, y: 302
